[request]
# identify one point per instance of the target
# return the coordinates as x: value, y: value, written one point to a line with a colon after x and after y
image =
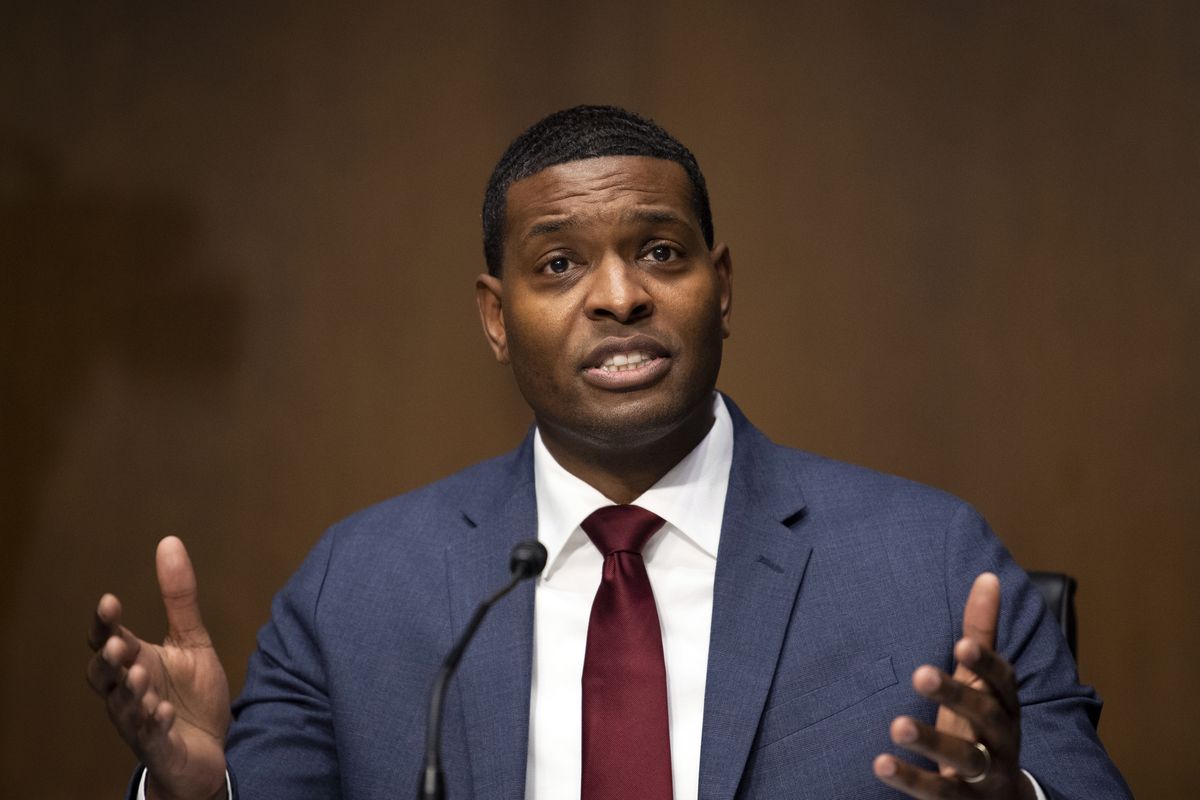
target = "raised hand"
x: 169, y: 702
x: 977, y: 739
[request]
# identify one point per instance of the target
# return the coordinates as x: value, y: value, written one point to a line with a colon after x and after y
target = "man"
x: 796, y: 595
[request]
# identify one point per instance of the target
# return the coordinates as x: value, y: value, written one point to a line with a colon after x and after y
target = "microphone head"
x: 528, y: 559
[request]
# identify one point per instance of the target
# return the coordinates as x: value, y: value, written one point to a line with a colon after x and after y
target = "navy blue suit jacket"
x: 833, y: 584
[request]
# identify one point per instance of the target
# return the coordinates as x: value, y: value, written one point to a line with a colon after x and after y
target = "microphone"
x: 527, y: 561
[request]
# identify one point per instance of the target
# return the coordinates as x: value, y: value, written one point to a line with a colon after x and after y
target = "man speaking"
x: 719, y: 616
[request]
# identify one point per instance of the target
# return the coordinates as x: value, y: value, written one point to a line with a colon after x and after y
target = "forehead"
x: 604, y: 188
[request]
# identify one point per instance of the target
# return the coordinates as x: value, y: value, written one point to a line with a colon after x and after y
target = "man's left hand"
x: 977, y: 739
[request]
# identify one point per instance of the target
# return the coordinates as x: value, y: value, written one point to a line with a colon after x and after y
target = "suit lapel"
x: 494, y: 676
x: 760, y: 564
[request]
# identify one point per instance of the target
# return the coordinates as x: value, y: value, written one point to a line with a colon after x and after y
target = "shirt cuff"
x: 1036, y: 788
x: 141, y: 792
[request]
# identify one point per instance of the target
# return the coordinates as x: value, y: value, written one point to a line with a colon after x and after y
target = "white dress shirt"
x: 681, y: 560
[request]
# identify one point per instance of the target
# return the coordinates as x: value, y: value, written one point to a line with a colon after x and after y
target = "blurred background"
x: 238, y: 242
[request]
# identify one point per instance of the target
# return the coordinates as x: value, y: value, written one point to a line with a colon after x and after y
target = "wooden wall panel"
x: 237, y: 245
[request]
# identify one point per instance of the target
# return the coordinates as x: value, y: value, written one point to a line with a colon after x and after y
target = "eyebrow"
x: 550, y: 226
x: 655, y: 216
x: 644, y: 215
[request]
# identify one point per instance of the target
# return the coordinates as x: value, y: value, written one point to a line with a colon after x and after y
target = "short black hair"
x: 573, y: 135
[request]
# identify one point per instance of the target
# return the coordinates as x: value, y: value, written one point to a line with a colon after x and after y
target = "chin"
x: 636, y: 422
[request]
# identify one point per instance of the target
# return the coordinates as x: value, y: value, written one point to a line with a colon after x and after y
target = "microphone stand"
x: 528, y: 560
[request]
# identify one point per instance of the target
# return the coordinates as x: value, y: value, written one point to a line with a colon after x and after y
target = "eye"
x: 557, y: 265
x: 661, y: 253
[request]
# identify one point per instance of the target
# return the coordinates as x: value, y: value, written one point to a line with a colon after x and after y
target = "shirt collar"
x: 690, y: 497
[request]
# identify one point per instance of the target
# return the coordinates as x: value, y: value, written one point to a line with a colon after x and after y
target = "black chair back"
x: 1058, y: 589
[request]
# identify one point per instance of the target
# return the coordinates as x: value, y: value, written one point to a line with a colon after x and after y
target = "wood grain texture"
x: 238, y: 243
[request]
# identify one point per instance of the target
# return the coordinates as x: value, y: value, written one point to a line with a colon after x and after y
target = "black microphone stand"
x: 528, y: 560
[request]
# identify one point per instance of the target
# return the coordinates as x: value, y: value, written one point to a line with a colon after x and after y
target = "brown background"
x: 238, y: 244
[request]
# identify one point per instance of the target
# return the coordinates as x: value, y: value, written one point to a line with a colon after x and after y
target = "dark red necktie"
x: 626, y: 738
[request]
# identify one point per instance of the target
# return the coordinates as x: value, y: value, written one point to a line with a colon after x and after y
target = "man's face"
x: 610, y: 308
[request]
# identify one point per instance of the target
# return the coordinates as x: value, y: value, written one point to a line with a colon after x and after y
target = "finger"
x: 108, y: 667
x: 982, y: 610
x: 164, y: 715
x: 157, y: 737
x: 137, y: 681
x: 145, y: 724
x: 123, y: 709
x: 120, y: 651
x: 177, y: 582
x: 139, y: 712
x: 915, y: 782
x: 993, y: 669
x: 148, y: 704
x: 980, y: 709
x: 103, y: 676
x: 105, y: 622
x: 962, y: 756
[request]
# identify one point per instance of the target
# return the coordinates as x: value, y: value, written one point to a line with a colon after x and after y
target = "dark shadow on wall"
x: 87, y: 275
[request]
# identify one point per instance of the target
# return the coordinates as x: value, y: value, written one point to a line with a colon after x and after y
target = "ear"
x: 488, y: 296
x: 723, y: 264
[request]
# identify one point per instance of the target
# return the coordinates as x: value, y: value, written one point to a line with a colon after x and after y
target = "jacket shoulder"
x: 832, y: 489
x: 426, y: 514
x: 837, y: 485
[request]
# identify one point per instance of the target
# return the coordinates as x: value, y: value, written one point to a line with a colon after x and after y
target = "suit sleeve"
x: 1059, y: 744
x: 281, y: 742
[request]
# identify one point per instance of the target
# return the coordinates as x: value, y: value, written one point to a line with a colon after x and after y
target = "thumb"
x: 177, y: 582
x: 983, y: 610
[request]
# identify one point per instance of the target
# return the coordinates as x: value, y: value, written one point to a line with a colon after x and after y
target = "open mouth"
x: 626, y: 364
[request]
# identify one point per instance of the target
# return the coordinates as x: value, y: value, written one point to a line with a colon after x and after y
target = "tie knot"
x: 616, y: 528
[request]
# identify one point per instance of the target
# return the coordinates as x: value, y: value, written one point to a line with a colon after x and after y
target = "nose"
x: 617, y: 292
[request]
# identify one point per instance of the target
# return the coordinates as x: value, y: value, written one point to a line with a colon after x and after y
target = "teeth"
x: 620, y: 362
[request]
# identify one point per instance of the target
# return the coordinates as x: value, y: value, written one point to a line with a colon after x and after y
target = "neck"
x: 623, y: 471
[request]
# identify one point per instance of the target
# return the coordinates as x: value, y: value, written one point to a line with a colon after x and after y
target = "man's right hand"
x: 169, y: 702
